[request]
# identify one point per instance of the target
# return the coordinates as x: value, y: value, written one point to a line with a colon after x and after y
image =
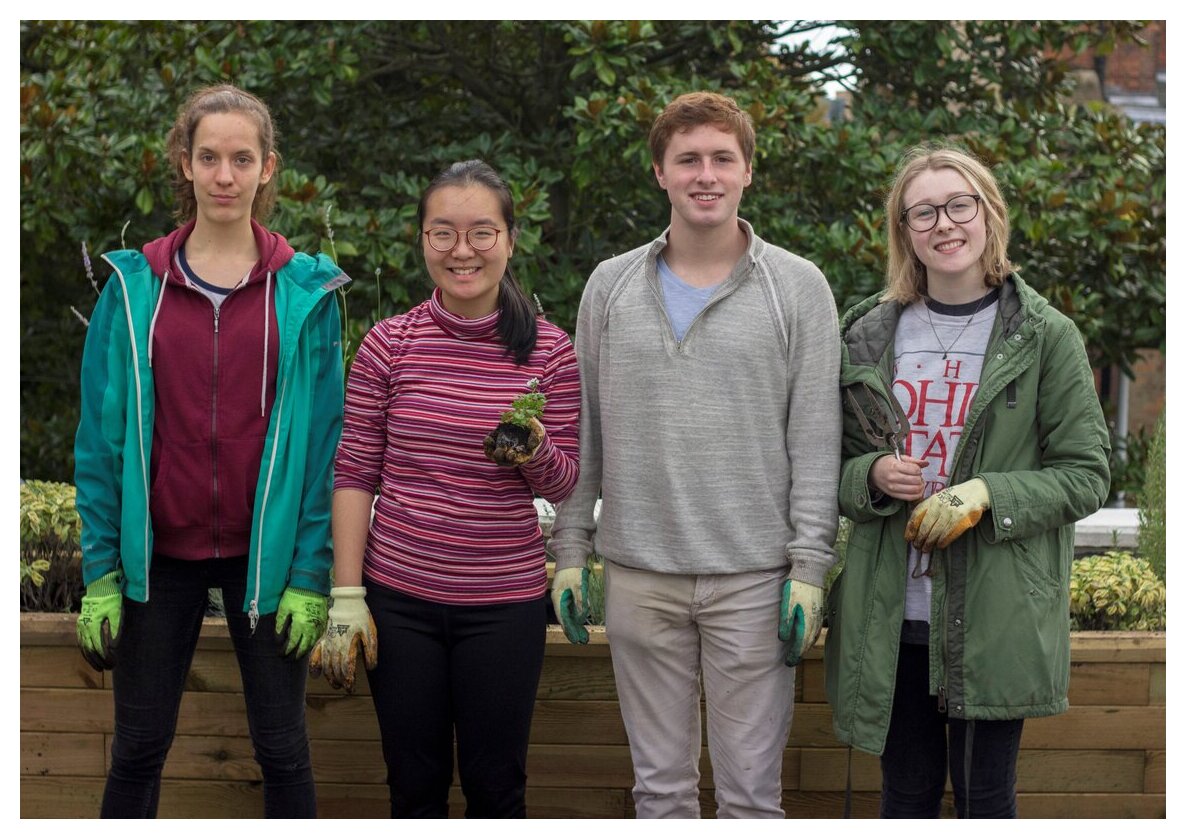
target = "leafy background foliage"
x: 369, y: 111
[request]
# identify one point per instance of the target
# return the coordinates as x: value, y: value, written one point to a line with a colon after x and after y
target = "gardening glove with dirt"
x: 570, y: 599
x: 503, y: 454
x: 300, y: 621
x: 801, y: 616
x: 351, y: 630
x: 98, y: 622
x: 945, y: 516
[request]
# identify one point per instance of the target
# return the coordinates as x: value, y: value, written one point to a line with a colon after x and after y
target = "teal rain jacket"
x: 290, y: 532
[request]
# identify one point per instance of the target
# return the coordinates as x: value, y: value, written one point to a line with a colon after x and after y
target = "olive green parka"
x: 1000, y: 624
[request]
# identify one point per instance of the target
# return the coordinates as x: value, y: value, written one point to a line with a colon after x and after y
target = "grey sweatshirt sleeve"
x: 572, y: 533
x: 813, y: 428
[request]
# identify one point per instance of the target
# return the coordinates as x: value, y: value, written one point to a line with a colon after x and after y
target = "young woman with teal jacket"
x: 211, y: 409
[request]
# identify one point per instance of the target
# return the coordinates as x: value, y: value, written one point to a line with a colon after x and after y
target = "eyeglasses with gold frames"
x: 444, y: 239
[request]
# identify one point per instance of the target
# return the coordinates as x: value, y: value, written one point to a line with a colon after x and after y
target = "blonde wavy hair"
x: 905, y: 275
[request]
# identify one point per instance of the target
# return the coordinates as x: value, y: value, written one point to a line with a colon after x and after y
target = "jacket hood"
x: 274, y: 251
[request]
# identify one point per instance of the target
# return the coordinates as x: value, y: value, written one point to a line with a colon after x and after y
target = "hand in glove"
x: 351, y: 629
x: 801, y: 616
x: 570, y: 598
x: 507, y: 452
x: 945, y: 516
x: 98, y: 623
x: 300, y: 622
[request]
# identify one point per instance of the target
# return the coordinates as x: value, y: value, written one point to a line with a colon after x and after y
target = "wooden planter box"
x: 1105, y: 758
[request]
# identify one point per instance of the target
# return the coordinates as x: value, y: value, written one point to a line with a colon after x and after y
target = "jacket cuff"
x: 998, y: 526
x: 857, y: 496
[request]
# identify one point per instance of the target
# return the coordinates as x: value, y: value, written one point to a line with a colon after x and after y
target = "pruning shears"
x: 882, y: 428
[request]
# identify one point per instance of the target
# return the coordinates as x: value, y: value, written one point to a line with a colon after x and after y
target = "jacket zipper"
x: 214, y: 434
x: 942, y: 699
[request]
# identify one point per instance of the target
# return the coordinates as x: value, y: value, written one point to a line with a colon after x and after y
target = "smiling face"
x: 226, y: 166
x: 704, y: 173
x: 951, y: 252
x: 468, y: 278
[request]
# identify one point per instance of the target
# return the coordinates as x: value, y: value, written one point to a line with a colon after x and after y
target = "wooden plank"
x: 66, y: 710
x: 1098, y: 727
x: 57, y: 667
x: 1118, y: 646
x: 211, y: 758
x: 204, y: 799
x: 214, y: 671
x: 568, y: 803
x: 341, y: 716
x: 593, y: 723
x: 823, y: 770
x: 44, y: 754
x: 1109, y: 683
x: 61, y: 797
x: 592, y: 767
x: 1157, y: 684
x: 811, y: 677
x: 348, y: 761
x: 1155, y: 772
x: 1082, y: 806
x: 1072, y: 770
x: 812, y: 726
x: 569, y: 677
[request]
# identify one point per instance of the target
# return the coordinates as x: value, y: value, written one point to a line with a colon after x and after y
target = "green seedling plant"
x: 526, y: 407
x: 514, y: 440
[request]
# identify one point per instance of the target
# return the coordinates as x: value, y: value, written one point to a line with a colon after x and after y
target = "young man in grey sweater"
x: 710, y: 427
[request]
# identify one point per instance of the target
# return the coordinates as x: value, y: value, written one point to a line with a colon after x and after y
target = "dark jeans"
x: 156, y: 647
x: 924, y: 744
x: 469, y: 670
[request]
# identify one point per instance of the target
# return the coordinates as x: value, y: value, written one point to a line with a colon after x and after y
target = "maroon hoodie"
x: 214, y: 377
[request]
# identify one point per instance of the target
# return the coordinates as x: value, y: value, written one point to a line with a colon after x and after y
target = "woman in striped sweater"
x: 453, y: 558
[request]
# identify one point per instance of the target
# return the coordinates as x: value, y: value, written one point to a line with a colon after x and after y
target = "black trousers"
x: 156, y: 646
x: 469, y: 671
x: 924, y: 744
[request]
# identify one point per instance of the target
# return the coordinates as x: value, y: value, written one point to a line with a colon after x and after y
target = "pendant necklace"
x: 960, y: 334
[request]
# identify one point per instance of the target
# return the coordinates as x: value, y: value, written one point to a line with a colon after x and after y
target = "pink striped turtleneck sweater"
x: 450, y: 526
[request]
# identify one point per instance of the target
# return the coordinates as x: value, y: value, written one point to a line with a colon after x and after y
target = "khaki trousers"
x: 667, y: 632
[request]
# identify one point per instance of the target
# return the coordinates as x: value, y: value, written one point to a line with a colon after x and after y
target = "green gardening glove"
x: 300, y: 621
x: 801, y: 616
x: 98, y: 622
x: 570, y: 599
x: 945, y: 516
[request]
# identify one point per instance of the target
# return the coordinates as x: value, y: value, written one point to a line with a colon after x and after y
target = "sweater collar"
x: 467, y: 329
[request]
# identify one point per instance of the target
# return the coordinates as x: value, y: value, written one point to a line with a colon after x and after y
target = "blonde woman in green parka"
x: 973, y: 442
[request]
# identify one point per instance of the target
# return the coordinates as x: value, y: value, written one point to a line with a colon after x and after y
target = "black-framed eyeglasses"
x: 923, y: 217
x: 443, y: 239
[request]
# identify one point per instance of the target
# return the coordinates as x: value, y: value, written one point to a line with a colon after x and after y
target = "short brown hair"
x: 701, y: 108
x: 905, y: 275
x: 219, y: 99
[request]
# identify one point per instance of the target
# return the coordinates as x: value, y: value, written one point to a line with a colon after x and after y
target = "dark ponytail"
x: 516, y: 312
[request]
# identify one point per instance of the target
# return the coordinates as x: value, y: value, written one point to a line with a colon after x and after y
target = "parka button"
x: 1017, y: 337
x: 1006, y: 522
x: 1000, y: 355
x: 959, y: 707
x: 959, y: 622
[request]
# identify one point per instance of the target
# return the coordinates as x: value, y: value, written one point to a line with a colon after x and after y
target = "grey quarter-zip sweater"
x: 719, y: 453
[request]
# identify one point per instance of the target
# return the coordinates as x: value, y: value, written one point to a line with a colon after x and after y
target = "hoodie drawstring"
x: 263, y: 385
x: 160, y: 300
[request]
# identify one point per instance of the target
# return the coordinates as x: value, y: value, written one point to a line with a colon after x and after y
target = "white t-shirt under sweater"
x: 938, y: 355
